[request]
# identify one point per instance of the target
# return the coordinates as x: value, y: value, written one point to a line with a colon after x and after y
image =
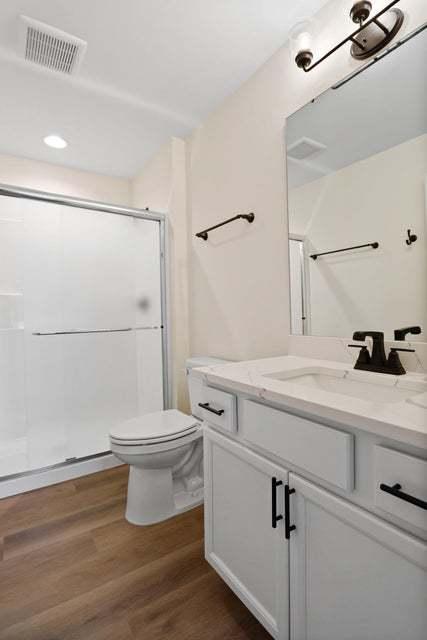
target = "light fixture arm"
x: 388, y: 35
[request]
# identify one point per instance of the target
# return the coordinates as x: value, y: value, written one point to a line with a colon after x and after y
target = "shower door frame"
x: 35, y: 478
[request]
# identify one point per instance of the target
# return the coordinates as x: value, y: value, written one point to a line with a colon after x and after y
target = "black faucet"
x: 400, y: 334
x: 377, y: 360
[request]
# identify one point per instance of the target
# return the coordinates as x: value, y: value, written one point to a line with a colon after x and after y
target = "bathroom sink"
x: 355, y: 384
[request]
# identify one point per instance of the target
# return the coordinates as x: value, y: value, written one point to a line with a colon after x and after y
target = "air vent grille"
x: 51, y: 48
x: 304, y: 148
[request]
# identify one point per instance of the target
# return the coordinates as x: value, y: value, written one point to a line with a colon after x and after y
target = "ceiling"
x: 153, y: 69
x: 378, y: 109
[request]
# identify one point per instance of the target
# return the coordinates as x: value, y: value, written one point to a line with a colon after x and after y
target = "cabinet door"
x: 352, y: 575
x: 241, y: 543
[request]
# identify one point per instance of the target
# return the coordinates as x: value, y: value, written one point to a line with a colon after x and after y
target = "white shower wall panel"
x: 45, y: 389
x: 12, y: 209
x: 13, y: 418
x: 11, y: 241
x: 11, y: 265
x: 12, y: 395
x: 42, y: 258
x: 13, y: 422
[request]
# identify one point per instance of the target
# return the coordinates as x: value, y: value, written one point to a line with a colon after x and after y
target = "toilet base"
x: 154, y: 496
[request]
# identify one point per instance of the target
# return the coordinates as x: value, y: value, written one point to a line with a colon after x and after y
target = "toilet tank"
x: 195, y: 384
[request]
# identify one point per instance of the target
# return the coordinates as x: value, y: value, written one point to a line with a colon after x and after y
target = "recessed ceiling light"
x: 56, y: 142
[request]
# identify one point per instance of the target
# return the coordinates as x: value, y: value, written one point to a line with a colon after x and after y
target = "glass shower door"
x: 111, y: 298
x: 91, y: 340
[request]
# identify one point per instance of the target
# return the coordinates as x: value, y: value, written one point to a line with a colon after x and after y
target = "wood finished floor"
x: 72, y: 568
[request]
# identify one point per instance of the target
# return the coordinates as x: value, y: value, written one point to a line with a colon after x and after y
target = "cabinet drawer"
x: 395, y: 468
x: 220, y: 409
x: 325, y: 452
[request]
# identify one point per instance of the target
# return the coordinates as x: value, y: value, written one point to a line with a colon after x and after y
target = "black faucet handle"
x: 364, y: 357
x: 394, y: 364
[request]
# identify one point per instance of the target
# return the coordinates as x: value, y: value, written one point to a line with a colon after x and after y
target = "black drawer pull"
x: 205, y: 405
x: 395, y: 491
x: 288, y: 526
x: 274, y: 517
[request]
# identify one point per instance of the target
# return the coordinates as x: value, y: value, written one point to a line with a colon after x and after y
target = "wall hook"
x: 411, y: 237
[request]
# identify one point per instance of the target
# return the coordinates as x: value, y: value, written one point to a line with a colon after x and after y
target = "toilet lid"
x: 156, y: 425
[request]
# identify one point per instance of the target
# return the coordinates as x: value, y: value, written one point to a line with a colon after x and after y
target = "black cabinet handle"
x: 274, y: 517
x: 395, y: 491
x: 205, y: 405
x: 288, y: 526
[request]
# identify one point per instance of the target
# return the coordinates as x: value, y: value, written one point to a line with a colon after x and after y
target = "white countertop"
x: 402, y: 421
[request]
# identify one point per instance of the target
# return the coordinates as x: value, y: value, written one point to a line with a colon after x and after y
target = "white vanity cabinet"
x: 353, y: 576
x: 241, y: 543
x: 329, y: 569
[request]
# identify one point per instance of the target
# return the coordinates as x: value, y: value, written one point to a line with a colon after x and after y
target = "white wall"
x: 162, y: 186
x: 376, y: 290
x: 238, y: 302
x: 239, y: 278
x: 152, y: 186
x: 42, y: 176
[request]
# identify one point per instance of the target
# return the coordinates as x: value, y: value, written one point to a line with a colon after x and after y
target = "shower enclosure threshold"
x: 68, y: 470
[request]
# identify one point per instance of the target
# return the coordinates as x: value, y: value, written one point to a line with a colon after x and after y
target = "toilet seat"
x: 137, y: 449
x: 154, y: 429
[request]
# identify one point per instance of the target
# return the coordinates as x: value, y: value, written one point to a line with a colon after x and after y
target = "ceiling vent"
x: 304, y: 148
x: 49, y: 47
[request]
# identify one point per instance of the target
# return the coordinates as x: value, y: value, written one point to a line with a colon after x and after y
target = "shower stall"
x: 83, y: 331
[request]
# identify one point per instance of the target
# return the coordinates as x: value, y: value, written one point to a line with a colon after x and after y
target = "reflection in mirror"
x: 357, y: 191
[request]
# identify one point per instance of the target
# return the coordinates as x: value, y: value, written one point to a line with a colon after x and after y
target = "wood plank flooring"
x: 72, y: 568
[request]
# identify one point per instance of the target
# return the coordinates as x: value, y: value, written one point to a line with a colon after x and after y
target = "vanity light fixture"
x: 372, y: 35
x: 56, y: 142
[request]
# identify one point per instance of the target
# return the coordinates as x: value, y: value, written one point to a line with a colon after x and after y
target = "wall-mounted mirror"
x: 357, y: 201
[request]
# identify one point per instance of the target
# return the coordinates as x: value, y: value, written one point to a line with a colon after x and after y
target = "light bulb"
x: 300, y: 40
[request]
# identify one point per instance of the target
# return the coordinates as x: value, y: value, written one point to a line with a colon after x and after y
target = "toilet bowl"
x: 164, y: 451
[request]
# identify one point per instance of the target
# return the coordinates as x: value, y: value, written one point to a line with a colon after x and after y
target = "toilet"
x: 164, y: 451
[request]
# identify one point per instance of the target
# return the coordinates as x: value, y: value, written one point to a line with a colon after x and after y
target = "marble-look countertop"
x: 405, y: 421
